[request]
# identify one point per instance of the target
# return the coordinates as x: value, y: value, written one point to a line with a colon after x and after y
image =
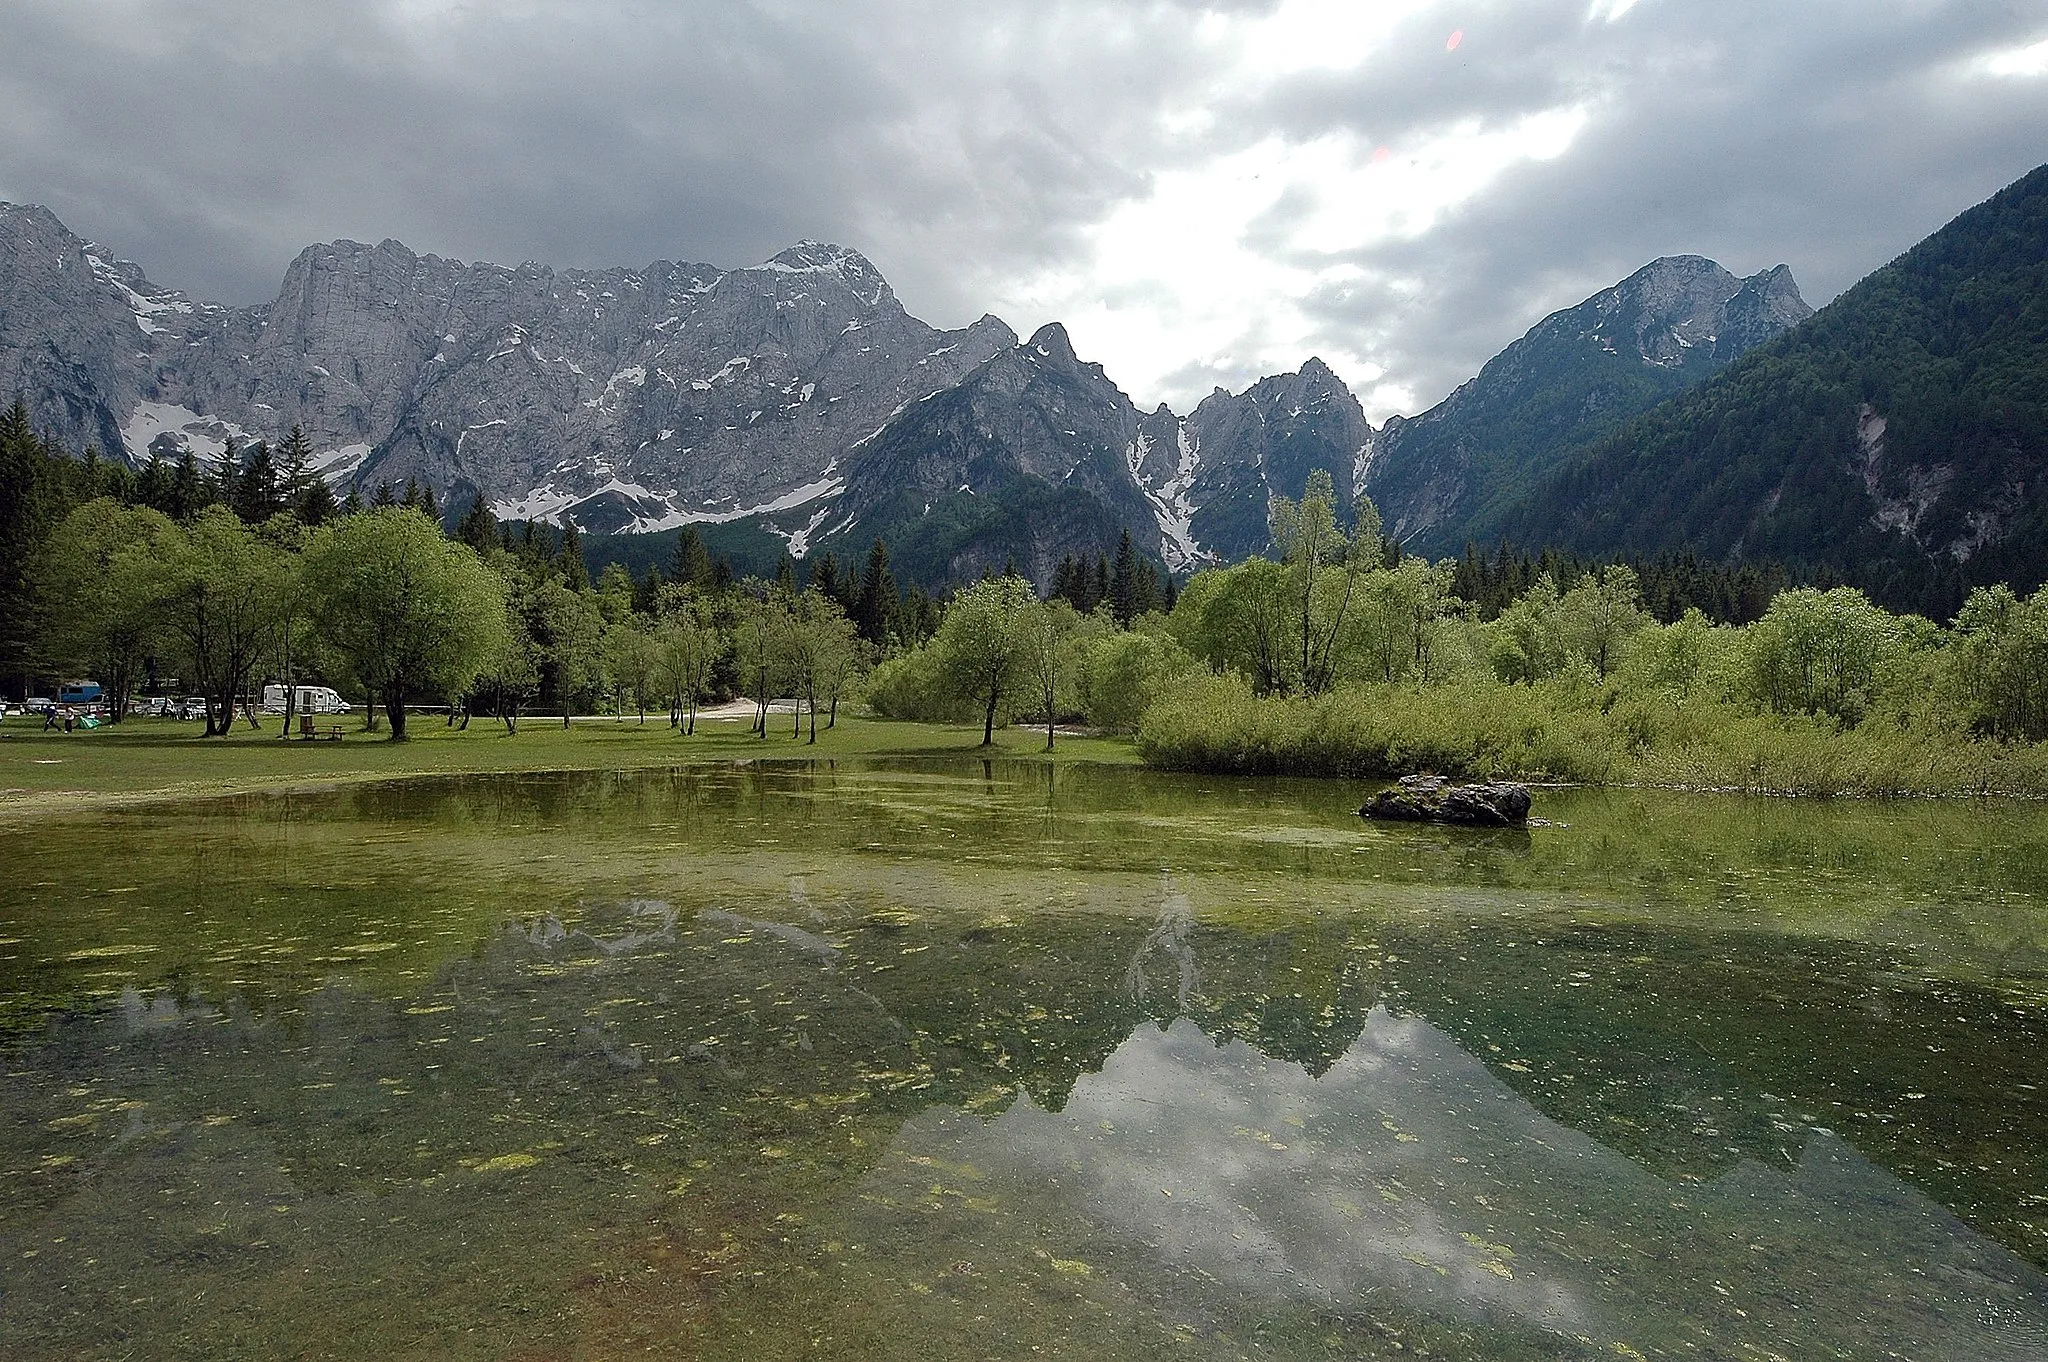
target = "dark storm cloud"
x: 975, y: 150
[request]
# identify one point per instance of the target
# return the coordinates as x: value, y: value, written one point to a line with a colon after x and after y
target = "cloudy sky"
x: 1205, y: 191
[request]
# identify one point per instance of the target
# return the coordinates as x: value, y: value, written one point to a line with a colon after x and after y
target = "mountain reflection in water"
x: 1409, y: 1170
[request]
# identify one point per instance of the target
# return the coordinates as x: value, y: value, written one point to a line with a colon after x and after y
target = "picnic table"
x: 309, y: 729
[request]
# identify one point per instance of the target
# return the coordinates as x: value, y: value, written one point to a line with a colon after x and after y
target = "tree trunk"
x: 988, y: 722
x: 394, y: 708
x: 814, y: 718
x: 832, y: 715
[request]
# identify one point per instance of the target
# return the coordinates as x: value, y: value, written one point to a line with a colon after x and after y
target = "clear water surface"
x: 959, y: 1060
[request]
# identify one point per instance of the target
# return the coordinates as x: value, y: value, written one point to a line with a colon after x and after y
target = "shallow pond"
x: 960, y: 1060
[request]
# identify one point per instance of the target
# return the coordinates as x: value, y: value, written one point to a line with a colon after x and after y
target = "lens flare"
x: 1457, y: 36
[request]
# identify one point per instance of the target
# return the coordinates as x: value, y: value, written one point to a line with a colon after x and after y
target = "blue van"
x: 79, y: 693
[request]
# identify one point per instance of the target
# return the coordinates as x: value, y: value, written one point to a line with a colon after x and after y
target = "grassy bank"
x: 1562, y: 731
x: 154, y: 758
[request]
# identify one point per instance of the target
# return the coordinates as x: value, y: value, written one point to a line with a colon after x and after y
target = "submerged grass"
x: 153, y: 758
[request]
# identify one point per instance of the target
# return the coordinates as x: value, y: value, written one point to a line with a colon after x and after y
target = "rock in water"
x: 1432, y: 799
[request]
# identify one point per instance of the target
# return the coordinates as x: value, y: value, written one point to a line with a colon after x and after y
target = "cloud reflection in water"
x: 1410, y: 1173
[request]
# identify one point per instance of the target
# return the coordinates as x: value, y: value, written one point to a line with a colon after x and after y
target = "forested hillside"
x: 1898, y: 440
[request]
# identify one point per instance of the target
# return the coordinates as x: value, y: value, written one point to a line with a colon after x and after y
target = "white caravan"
x: 312, y: 700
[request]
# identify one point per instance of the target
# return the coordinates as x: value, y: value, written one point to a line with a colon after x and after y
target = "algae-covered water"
x: 947, y: 1061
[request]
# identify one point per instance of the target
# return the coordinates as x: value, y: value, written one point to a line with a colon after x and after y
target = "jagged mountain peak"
x: 1051, y: 341
x: 821, y: 257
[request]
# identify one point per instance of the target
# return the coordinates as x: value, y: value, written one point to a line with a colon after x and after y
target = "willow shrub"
x: 914, y: 685
x: 1469, y: 729
x: 1569, y: 729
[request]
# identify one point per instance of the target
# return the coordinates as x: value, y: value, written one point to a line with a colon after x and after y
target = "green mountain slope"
x: 1578, y: 375
x: 1897, y: 440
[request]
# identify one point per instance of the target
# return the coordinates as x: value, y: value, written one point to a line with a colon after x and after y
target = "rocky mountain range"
x: 798, y: 397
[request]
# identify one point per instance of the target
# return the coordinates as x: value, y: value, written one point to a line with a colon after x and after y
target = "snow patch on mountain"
x: 657, y: 511
x: 1170, y: 499
x: 147, y: 308
x: 337, y: 466
x: 166, y: 430
x: 799, y: 540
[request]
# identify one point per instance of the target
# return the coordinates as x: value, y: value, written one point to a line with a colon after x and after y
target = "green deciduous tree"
x: 1820, y: 652
x: 978, y: 641
x: 568, y: 636
x: 687, y: 646
x: 409, y: 610
x: 1526, y: 643
x: 1999, y: 662
x: 103, y: 577
x: 1247, y: 621
x: 629, y: 662
x: 1045, y: 630
x: 1599, y: 614
x: 816, y: 642
x: 223, y: 586
x: 1122, y: 673
x: 1324, y: 565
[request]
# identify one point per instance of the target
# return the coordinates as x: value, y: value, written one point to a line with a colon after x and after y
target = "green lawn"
x: 150, y: 758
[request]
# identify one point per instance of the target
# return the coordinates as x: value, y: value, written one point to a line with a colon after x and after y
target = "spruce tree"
x: 825, y: 577
x: 188, y: 488
x: 647, y: 592
x: 257, y: 494
x: 1063, y: 580
x: 875, y: 610
x: 689, y: 563
x: 316, y: 505
x: 227, y: 473
x: 25, y: 514
x: 153, y: 486
x: 785, y: 576
x: 295, y: 460
x: 478, y: 527
x: 1145, y: 595
x: 1123, y: 583
x: 353, y: 503
x: 569, y: 561
x: 384, y: 497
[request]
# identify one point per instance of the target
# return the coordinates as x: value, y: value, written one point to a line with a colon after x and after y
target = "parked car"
x: 38, y: 704
x: 192, y: 707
